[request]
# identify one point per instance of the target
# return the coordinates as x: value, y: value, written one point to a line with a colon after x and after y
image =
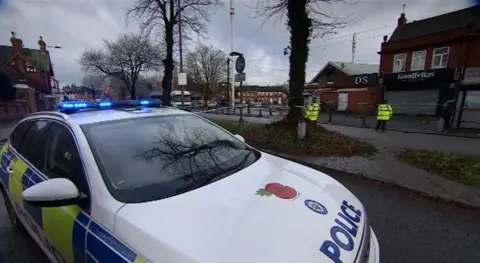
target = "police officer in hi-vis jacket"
x: 384, y: 113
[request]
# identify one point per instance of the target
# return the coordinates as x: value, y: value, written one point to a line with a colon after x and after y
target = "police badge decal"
x: 316, y: 207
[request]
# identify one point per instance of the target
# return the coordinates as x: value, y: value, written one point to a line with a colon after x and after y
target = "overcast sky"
x: 76, y: 25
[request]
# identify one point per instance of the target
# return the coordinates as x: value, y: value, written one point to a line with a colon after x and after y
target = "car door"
x: 66, y: 226
x: 6, y: 151
x: 24, y: 170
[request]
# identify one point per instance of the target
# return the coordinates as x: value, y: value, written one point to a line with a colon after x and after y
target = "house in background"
x: 351, y: 87
x: 29, y: 67
x: 272, y: 94
x: 422, y: 64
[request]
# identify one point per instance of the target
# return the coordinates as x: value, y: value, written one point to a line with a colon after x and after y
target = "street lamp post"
x: 47, y: 78
x: 239, y: 66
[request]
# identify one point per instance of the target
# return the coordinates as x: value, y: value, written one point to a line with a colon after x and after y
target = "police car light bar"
x: 72, y: 106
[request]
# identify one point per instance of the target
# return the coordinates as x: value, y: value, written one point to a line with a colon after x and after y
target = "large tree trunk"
x: 168, y: 65
x: 300, y: 29
x: 133, y: 95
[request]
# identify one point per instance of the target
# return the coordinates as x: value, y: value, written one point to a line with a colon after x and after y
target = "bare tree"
x: 207, y: 66
x: 146, y: 84
x: 93, y: 83
x: 123, y: 59
x: 165, y: 16
x: 305, y: 19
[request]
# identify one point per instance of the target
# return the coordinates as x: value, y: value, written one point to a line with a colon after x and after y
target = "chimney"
x: 17, y: 44
x: 43, y: 46
x: 385, y: 38
x: 343, y: 65
x: 402, y: 20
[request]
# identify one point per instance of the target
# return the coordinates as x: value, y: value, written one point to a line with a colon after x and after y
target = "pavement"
x: 385, y: 167
x: 408, y: 124
x: 410, y: 228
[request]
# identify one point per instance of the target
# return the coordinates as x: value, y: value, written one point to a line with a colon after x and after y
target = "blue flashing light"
x: 72, y: 106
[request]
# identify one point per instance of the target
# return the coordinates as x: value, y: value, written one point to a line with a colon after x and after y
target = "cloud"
x: 80, y: 24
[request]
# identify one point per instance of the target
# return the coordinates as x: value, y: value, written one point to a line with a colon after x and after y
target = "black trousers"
x: 446, y: 118
x: 381, y: 124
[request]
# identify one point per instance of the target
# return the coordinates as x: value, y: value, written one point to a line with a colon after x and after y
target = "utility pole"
x: 232, y: 20
x: 180, y: 45
x: 354, y: 46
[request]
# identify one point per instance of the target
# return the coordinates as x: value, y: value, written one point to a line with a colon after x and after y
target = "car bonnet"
x: 272, y: 211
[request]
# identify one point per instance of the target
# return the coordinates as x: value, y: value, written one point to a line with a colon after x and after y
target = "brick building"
x: 30, y: 67
x: 351, y: 87
x: 273, y: 94
x: 423, y: 62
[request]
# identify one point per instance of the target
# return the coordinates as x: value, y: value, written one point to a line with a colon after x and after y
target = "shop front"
x: 468, y: 103
x: 420, y: 92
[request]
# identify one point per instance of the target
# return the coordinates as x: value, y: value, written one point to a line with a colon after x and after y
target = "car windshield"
x: 151, y: 158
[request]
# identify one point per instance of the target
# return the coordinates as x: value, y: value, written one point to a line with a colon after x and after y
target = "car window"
x: 152, y: 158
x: 18, y: 134
x: 33, y: 145
x: 62, y: 159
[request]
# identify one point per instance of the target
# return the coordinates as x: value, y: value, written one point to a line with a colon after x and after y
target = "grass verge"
x: 460, y: 168
x: 280, y: 137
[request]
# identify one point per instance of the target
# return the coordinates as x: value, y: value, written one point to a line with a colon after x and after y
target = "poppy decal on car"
x: 279, y: 190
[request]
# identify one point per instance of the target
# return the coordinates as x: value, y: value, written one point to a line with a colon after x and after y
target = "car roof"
x: 95, y: 116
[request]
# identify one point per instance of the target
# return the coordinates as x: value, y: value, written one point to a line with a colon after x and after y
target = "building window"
x: 399, y: 62
x: 418, y: 60
x: 440, y: 57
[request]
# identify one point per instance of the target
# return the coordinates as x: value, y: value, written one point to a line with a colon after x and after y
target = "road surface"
x: 410, y: 228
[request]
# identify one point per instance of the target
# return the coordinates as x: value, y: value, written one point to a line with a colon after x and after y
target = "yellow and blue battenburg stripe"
x: 62, y: 230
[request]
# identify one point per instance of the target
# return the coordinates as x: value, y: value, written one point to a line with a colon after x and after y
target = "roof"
x: 350, y: 69
x: 96, y: 116
x: 40, y: 61
x: 448, y: 21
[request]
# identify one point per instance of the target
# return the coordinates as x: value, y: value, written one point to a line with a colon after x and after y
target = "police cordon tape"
x: 238, y: 107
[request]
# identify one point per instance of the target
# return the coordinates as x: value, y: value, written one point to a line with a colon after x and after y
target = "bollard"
x: 241, y: 111
x: 270, y: 111
x: 330, y: 113
x: 363, y: 117
x: 248, y: 110
x: 259, y: 112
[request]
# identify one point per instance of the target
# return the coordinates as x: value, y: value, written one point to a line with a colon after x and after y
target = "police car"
x: 132, y: 181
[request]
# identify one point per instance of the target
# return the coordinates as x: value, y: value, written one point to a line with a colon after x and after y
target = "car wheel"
x: 12, y: 215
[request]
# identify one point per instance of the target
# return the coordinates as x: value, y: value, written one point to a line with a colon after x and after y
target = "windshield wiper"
x: 216, y: 176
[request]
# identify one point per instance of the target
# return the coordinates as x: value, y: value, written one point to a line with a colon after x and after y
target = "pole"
x: 354, y: 46
x: 180, y: 46
x: 228, y: 76
x: 241, y: 101
x: 232, y: 20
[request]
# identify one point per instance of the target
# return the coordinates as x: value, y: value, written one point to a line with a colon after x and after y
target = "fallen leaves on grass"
x: 281, y: 137
x: 460, y: 168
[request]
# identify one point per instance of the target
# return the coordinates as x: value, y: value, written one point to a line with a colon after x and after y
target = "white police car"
x: 121, y: 182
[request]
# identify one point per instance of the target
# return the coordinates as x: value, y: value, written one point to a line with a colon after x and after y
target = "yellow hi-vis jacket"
x: 312, y: 111
x: 384, y: 112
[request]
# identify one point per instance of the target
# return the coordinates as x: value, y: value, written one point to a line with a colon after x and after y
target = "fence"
x: 14, y: 110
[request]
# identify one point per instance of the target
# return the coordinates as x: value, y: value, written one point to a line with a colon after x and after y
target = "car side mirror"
x: 240, y: 137
x: 53, y: 193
